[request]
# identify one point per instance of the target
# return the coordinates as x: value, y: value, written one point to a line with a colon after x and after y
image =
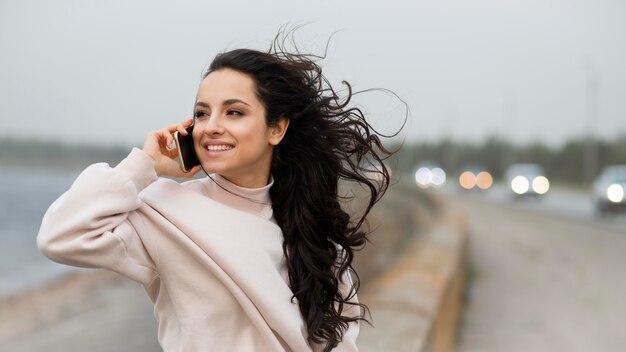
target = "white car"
x: 527, y: 180
x: 608, y: 189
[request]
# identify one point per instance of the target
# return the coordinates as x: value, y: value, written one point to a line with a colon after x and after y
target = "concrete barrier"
x: 415, y: 305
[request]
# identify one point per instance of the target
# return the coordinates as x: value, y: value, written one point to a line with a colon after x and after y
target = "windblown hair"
x: 326, y: 141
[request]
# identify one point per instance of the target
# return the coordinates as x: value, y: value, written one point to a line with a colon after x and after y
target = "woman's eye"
x: 200, y: 114
x: 234, y: 112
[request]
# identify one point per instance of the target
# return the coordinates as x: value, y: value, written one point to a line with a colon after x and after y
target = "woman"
x: 256, y: 256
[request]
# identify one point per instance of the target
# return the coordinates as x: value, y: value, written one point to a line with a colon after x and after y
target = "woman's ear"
x: 277, y: 131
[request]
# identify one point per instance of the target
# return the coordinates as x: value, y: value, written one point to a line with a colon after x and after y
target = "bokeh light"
x: 541, y: 185
x: 615, y: 193
x: 520, y: 184
x: 426, y: 177
x: 484, y: 180
x: 467, y: 180
x: 438, y: 177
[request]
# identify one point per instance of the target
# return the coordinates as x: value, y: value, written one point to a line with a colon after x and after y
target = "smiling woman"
x: 258, y: 255
x: 230, y: 133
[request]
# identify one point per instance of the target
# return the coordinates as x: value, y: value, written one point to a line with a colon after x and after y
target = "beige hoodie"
x: 212, y: 262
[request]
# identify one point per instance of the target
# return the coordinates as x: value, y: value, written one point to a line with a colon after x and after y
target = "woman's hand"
x: 160, y: 147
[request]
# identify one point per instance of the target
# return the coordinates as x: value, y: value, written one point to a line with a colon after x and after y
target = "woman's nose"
x: 214, y: 125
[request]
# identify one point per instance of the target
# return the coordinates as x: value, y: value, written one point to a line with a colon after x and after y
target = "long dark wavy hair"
x: 326, y: 141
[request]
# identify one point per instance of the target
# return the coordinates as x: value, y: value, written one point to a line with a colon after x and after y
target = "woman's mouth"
x: 219, y: 147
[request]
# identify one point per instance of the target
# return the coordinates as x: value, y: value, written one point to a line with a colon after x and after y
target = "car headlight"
x: 615, y: 193
x: 467, y: 180
x: 541, y: 185
x: 423, y: 176
x: 484, y: 180
x: 438, y: 177
x: 520, y: 184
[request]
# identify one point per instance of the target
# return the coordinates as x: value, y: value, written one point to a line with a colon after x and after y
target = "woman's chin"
x: 211, y: 167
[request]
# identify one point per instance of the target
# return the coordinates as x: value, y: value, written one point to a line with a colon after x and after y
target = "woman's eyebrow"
x: 233, y: 101
x: 224, y: 103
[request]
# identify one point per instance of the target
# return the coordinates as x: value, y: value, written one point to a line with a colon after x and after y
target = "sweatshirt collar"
x: 255, y: 201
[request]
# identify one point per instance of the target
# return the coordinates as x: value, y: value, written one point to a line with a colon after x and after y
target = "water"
x: 24, y: 197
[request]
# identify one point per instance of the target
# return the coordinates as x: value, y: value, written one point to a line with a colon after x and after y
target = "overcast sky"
x: 528, y: 70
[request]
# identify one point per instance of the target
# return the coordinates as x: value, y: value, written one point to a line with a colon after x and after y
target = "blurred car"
x: 475, y: 177
x: 527, y: 179
x: 608, y: 189
x: 429, y: 175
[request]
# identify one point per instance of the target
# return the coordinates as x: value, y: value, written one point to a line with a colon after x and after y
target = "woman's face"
x: 230, y: 134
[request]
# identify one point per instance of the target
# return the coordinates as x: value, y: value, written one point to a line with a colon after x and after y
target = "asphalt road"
x: 546, y: 275
x: 568, y: 203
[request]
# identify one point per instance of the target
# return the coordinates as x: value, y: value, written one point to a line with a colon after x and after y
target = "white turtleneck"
x: 210, y: 258
x: 251, y: 200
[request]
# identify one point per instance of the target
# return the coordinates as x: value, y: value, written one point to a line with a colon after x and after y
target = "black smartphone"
x: 187, y: 157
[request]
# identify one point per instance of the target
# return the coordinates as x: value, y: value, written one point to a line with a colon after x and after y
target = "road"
x: 546, y: 275
x: 562, y: 202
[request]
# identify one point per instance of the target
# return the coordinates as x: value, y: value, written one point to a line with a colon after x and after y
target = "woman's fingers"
x: 166, y: 138
x: 191, y: 173
x: 161, y: 148
x: 194, y: 170
x: 187, y: 123
x: 182, y: 128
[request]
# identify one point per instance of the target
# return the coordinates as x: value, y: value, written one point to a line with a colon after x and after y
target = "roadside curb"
x: 415, y: 305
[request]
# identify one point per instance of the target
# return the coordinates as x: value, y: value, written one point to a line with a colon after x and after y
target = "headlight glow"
x: 438, y: 177
x: 541, y: 185
x: 484, y: 180
x: 615, y: 193
x: 423, y: 176
x: 467, y: 180
x: 520, y: 184
x: 426, y: 177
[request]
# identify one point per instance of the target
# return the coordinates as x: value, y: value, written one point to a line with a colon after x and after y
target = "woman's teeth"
x: 218, y: 148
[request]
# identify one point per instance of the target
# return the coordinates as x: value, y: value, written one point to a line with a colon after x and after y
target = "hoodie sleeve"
x: 94, y: 223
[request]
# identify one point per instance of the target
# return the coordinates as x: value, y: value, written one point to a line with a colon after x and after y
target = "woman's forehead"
x: 225, y: 85
x: 227, y: 80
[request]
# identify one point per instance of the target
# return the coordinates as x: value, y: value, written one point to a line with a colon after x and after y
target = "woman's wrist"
x: 139, y: 167
x: 152, y: 159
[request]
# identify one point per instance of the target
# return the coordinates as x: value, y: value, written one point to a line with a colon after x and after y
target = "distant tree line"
x: 565, y: 163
